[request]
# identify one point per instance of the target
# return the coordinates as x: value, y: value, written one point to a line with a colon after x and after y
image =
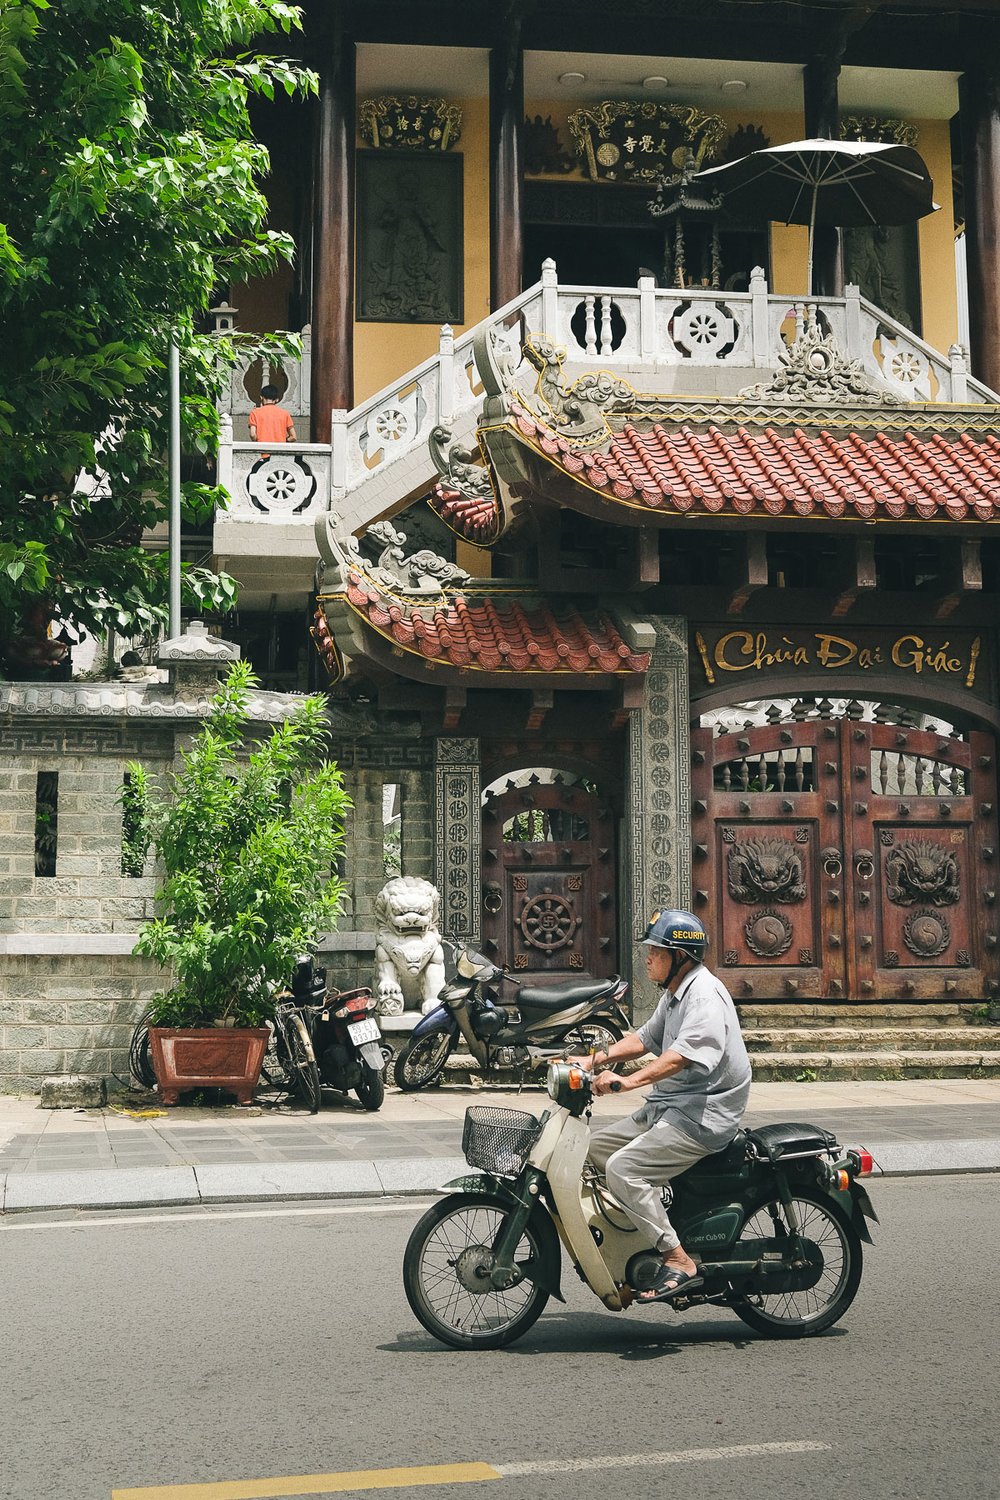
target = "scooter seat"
x: 561, y: 996
x: 791, y: 1139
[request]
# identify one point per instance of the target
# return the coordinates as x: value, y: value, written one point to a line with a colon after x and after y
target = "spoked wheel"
x: 446, y: 1275
x: 595, y: 1036
x: 304, y: 1072
x: 371, y: 1089
x: 795, y: 1315
x: 421, y: 1061
x: 139, y: 1060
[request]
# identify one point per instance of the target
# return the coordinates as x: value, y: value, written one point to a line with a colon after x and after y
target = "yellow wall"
x: 384, y: 351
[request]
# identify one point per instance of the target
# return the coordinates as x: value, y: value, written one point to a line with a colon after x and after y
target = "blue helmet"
x: 677, y: 929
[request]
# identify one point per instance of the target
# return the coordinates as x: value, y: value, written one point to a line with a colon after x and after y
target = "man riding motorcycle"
x: 701, y: 1084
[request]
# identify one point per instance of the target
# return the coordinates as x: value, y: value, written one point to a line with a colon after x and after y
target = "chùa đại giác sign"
x: 727, y: 654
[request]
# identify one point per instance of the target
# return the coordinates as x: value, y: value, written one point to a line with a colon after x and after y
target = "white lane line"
x: 210, y: 1216
x: 654, y: 1460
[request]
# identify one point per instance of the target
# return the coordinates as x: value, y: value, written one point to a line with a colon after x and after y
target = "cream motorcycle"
x: 775, y: 1223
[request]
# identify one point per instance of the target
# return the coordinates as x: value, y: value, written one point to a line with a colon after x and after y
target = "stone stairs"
x: 819, y: 1042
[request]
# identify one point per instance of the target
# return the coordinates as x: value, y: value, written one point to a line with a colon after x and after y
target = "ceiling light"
x: 656, y: 81
x: 733, y: 86
x: 570, y: 80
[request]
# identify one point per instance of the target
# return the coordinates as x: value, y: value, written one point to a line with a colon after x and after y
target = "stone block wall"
x: 70, y: 988
x: 70, y: 1012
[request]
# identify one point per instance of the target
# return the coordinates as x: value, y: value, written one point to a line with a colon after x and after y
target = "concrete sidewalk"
x: 126, y: 1157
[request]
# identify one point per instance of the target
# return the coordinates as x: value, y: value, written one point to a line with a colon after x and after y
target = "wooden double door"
x: 843, y: 860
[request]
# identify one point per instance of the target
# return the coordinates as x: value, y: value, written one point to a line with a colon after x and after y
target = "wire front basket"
x: 498, y: 1140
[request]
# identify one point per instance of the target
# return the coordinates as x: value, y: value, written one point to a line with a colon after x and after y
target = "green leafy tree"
x: 130, y: 191
x: 248, y: 847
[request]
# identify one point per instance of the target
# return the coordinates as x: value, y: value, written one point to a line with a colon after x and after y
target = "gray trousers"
x: 637, y: 1161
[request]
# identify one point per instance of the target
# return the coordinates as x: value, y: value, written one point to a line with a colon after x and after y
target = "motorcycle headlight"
x: 569, y: 1086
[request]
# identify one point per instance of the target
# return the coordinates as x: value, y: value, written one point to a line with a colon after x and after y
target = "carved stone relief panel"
x: 458, y: 834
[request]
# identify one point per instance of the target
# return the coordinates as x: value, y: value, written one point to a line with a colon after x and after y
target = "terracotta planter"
x: 207, y: 1057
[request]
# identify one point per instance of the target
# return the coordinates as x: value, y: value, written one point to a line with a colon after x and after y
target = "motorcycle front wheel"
x: 445, y: 1275
x: 797, y: 1315
x: 371, y: 1089
x: 421, y: 1061
x: 303, y: 1069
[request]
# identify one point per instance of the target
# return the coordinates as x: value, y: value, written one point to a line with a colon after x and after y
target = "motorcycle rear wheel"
x: 798, y: 1315
x: 421, y: 1061
x: 595, y: 1036
x: 371, y: 1089
x: 446, y: 1246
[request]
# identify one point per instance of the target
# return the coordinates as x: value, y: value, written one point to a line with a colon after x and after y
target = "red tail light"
x: 865, y: 1161
x: 360, y: 1005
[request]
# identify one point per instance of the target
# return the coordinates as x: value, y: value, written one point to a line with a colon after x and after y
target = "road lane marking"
x: 465, y: 1473
x: 209, y: 1215
x: 654, y: 1460
x: 316, y: 1484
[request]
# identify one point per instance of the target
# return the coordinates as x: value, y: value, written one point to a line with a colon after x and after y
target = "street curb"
x: 274, y: 1182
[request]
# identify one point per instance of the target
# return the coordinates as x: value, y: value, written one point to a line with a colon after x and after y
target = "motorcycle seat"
x: 569, y: 992
x: 790, y: 1139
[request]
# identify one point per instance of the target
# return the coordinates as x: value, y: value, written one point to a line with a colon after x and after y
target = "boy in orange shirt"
x: 269, y: 422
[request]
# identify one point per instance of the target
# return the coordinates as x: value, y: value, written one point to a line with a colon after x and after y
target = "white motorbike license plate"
x: 364, y: 1031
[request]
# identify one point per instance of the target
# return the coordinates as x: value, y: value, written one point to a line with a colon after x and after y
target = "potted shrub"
x: 248, y: 844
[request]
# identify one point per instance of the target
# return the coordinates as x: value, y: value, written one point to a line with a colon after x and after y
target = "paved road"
x: 193, y: 1347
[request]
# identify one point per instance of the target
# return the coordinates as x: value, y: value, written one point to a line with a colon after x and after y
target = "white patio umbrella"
x: 848, y: 183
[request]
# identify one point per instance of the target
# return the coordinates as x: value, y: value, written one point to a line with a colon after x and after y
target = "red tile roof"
x: 775, y: 472
x: 487, y: 635
x: 474, y: 517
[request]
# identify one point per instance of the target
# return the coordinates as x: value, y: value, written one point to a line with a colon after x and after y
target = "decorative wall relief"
x: 632, y: 141
x: 872, y: 128
x: 410, y: 124
x: 921, y: 870
x: 410, y: 249
x: 543, y: 148
x: 744, y: 141
x: 765, y: 869
x: 458, y: 835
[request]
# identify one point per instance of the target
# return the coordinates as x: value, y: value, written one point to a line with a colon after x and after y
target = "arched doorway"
x: 549, y: 889
x: 846, y: 851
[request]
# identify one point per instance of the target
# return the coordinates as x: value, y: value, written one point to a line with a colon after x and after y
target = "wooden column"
x: 506, y: 169
x: 980, y: 116
x: 333, y: 229
x: 822, y: 122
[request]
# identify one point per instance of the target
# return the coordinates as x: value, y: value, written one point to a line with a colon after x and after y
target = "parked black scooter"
x: 578, y: 1014
x: 343, y: 1047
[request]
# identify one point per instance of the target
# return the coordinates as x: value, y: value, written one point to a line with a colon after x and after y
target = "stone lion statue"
x: 409, y: 958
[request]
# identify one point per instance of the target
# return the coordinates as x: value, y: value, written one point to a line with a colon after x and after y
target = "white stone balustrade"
x: 276, y: 483
x: 691, y: 341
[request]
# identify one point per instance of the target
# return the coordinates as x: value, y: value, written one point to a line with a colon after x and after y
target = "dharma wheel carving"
x: 548, y: 921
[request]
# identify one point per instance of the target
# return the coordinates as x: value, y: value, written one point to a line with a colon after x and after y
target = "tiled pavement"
x: 429, y: 1125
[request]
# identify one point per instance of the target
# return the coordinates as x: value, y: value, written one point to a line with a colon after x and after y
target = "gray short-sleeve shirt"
x: 707, y: 1099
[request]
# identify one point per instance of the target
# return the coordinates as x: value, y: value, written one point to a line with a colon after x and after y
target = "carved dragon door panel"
x: 845, y: 860
x: 921, y: 845
x: 549, y: 903
x: 766, y: 828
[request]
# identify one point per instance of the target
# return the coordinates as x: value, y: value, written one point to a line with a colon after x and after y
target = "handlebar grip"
x: 615, y: 1086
